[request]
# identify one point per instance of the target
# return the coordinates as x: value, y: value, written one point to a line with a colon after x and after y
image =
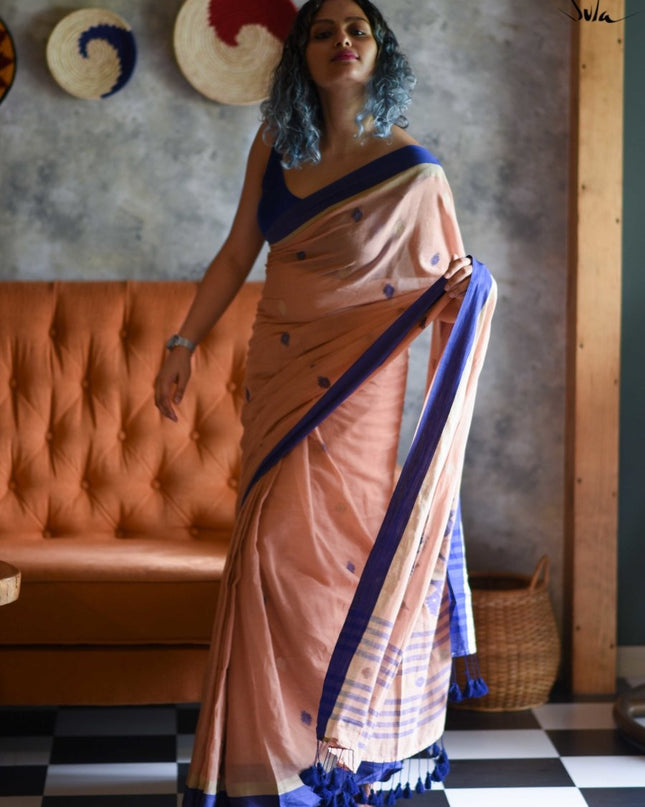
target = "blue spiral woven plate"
x: 91, y: 53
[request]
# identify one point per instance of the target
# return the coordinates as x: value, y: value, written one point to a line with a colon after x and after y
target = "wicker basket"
x: 518, y: 647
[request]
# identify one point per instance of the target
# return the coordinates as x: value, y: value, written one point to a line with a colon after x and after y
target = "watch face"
x: 176, y: 340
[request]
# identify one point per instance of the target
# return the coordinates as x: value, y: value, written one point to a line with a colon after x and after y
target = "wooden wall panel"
x: 595, y: 231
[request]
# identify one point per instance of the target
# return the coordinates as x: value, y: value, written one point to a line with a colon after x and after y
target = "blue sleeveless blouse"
x: 280, y: 211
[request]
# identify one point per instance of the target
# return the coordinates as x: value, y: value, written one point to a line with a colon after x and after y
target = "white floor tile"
x: 116, y: 721
x: 111, y: 779
x: 515, y: 796
x: 575, y: 716
x: 499, y: 744
x: 25, y: 750
x: 185, y: 743
x: 606, y: 771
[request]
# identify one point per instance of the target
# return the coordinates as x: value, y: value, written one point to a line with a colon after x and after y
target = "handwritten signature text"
x: 591, y: 14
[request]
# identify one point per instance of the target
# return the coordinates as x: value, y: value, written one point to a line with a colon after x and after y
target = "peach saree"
x: 345, y: 596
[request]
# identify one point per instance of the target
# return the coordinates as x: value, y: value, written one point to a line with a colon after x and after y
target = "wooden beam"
x: 593, y: 350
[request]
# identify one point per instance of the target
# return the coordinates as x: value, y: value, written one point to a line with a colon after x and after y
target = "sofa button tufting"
x: 118, y: 533
x: 123, y: 333
x: 49, y: 436
x: 122, y: 435
x: 232, y: 482
x: 12, y: 484
x: 13, y: 383
x: 47, y: 534
x: 85, y: 484
x: 194, y: 435
x: 156, y: 484
x: 85, y: 383
x: 194, y: 532
x: 53, y: 333
x: 231, y: 387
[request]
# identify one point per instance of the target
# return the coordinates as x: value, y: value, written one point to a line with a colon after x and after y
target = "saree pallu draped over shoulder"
x: 345, y: 595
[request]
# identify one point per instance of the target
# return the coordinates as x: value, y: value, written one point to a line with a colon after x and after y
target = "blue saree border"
x: 280, y: 212
x: 428, y: 434
x: 302, y: 796
x: 337, y: 787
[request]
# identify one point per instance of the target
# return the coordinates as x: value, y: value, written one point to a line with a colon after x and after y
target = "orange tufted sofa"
x: 119, y: 520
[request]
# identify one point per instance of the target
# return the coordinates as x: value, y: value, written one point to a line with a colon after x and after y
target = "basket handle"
x: 541, y: 571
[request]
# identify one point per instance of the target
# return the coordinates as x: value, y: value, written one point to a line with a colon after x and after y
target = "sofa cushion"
x: 105, y: 591
x: 82, y: 447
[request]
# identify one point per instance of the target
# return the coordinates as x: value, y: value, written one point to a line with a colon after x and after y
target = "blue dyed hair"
x: 292, y: 112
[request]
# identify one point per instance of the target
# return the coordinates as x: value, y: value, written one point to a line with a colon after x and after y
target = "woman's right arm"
x: 220, y: 283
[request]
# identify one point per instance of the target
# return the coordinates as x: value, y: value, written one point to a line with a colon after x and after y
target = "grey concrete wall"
x: 144, y: 185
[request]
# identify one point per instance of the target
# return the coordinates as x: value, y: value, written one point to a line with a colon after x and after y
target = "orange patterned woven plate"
x: 7, y: 61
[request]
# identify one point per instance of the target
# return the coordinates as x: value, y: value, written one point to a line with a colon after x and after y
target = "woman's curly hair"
x: 292, y: 112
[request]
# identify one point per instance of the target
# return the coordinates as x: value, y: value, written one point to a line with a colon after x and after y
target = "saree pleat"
x: 344, y: 596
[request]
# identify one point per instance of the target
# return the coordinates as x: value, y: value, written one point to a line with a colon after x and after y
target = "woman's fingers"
x: 460, y: 289
x: 173, y: 376
x: 163, y: 386
x: 458, y: 275
x: 162, y: 398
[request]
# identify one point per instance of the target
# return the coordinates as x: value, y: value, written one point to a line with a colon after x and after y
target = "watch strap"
x: 180, y: 341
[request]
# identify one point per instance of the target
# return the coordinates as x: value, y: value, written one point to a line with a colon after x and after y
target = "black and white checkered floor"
x: 559, y: 755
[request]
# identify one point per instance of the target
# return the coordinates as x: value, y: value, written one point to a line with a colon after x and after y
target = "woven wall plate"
x: 7, y: 61
x: 91, y: 53
x: 227, y: 49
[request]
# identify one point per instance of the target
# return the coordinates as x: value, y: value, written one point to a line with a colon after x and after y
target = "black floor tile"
x: 473, y: 721
x: 22, y: 780
x: 84, y: 750
x: 614, y: 796
x: 548, y: 772
x: 169, y: 800
x: 182, y: 773
x: 187, y: 717
x: 25, y: 721
x: 590, y: 742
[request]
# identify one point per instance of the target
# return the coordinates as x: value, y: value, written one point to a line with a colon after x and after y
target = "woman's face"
x: 341, y: 46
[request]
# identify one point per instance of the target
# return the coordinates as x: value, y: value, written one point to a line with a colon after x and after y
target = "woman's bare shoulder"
x: 401, y: 137
x: 259, y: 152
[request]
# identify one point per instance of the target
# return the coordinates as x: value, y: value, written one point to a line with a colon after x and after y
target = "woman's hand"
x: 174, y: 373
x: 458, y: 276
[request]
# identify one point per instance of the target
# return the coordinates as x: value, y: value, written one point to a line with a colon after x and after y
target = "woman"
x: 341, y: 600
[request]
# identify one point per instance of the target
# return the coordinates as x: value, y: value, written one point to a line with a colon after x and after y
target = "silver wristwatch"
x: 180, y: 341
